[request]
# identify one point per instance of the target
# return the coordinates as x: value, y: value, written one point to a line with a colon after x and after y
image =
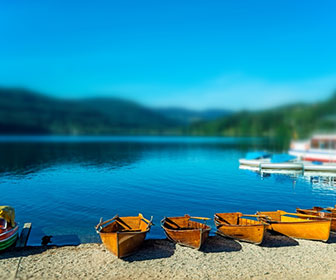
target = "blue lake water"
x: 63, y: 185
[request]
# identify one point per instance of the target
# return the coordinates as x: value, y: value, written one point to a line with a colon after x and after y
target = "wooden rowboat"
x: 8, y: 227
x: 186, y: 232
x: 122, y: 236
x: 297, y: 225
x: 233, y: 225
x: 317, y: 211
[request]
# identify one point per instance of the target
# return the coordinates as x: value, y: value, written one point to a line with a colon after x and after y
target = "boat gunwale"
x: 319, y: 220
x: 124, y: 232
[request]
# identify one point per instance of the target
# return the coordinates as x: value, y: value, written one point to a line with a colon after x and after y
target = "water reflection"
x: 26, y: 158
x: 315, y: 179
x: 23, y: 155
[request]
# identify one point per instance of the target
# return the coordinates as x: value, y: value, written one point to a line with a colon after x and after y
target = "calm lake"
x: 63, y: 185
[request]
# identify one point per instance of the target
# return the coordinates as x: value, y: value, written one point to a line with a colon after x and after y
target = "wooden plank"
x: 22, y: 242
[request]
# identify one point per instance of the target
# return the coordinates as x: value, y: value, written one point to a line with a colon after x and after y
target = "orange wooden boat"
x: 122, y: 236
x: 233, y: 225
x: 186, y: 232
x: 317, y: 211
x: 297, y: 225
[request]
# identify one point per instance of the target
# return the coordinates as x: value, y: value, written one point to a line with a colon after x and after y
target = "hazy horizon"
x: 167, y: 106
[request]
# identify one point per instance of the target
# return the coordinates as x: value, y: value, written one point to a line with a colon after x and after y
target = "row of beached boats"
x: 124, y: 235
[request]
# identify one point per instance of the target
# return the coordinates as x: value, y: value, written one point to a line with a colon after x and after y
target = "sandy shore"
x: 279, y: 257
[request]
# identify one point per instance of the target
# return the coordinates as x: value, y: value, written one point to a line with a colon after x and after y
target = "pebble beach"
x: 279, y: 257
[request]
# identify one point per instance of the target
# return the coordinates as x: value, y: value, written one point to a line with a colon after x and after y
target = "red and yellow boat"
x: 8, y: 227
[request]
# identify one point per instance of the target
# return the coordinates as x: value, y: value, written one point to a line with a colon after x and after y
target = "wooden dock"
x: 23, y: 239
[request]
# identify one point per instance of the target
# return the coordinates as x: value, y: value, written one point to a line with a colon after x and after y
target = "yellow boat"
x: 239, y: 226
x: 183, y: 231
x: 122, y: 236
x: 297, y: 225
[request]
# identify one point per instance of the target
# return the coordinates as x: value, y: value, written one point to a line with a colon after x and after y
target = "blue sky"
x: 197, y: 54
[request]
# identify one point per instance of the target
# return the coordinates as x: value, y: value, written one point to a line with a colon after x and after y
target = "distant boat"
x: 8, y: 227
x: 238, y: 226
x: 122, y: 236
x: 321, y: 148
x: 297, y: 225
x: 263, y: 160
x: 183, y: 231
x: 255, y: 158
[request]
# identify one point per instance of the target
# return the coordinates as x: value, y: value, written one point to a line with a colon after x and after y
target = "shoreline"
x: 279, y: 257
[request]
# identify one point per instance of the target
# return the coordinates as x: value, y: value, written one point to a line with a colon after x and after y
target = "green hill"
x: 27, y: 112
x: 298, y: 120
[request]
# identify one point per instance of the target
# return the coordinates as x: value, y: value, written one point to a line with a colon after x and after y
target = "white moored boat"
x: 254, y: 159
x: 321, y: 148
x: 282, y: 162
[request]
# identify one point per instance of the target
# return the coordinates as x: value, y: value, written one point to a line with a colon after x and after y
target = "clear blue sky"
x: 197, y: 54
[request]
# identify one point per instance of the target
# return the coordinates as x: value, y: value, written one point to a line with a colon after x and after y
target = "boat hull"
x: 9, y: 242
x: 239, y: 228
x: 287, y: 166
x: 189, y: 238
x: 298, y: 227
x: 123, y: 244
x: 319, y: 168
x: 8, y: 237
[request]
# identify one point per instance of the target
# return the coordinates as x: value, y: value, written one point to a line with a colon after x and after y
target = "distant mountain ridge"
x: 187, y: 116
x: 27, y: 112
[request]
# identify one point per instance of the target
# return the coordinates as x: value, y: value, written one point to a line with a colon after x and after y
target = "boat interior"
x: 126, y: 224
x: 182, y: 223
x: 3, y: 224
x: 280, y: 216
x: 238, y: 219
